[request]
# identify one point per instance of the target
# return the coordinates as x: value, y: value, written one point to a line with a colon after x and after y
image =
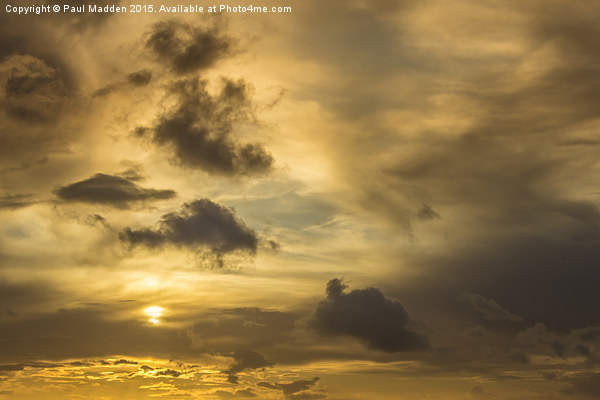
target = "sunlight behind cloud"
x: 154, y: 312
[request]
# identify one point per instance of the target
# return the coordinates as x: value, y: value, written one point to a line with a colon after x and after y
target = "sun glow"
x: 154, y: 312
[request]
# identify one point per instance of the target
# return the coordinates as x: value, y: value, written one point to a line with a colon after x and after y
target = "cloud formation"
x: 488, y: 308
x: 135, y: 79
x: 295, y: 390
x: 32, y: 91
x: 201, y: 223
x: 188, y: 48
x: 366, y: 314
x: 245, y: 359
x: 112, y: 190
x: 198, y: 131
x: 14, y: 201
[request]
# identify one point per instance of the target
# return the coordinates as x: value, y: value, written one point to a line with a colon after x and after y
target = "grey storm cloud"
x: 188, y: 48
x: 198, y: 131
x: 200, y: 223
x: 524, y: 239
x: 110, y: 189
x: 368, y: 315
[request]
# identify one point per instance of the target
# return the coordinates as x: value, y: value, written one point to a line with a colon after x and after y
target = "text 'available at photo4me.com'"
x: 191, y: 7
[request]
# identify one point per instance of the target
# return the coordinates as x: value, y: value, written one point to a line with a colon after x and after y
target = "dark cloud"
x: 367, y: 315
x: 24, y: 166
x: 488, y: 308
x: 550, y: 279
x: 33, y: 91
x: 295, y: 390
x: 199, y: 130
x: 247, y: 359
x: 123, y: 361
x: 244, y: 360
x: 539, y: 340
x: 169, y: 372
x: 140, y: 78
x: 134, y: 79
x: 527, y: 223
x: 111, y: 190
x: 10, y: 368
x: 426, y: 212
x: 587, y: 384
x: 479, y: 393
x: 188, y: 48
x: 297, y: 386
x: 15, y: 296
x: 201, y: 223
x: 106, y: 90
x: 14, y: 201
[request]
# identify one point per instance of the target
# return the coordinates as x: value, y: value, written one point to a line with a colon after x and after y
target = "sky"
x: 356, y: 199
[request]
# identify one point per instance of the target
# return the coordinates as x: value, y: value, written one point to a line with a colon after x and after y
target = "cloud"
x: 238, y: 394
x: 123, y: 361
x: 366, y: 315
x: 14, y: 201
x: 35, y: 93
x: 297, y: 386
x: 426, y: 212
x: 169, y: 372
x: 32, y: 91
x: 488, y: 308
x: 295, y: 390
x: 201, y: 223
x: 479, y: 393
x: 86, y: 332
x: 587, y: 384
x: 135, y: 79
x: 198, y: 131
x: 111, y: 190
x: 245, y: 359
x: 249, y: 327
x: 188, y: 48
x: 140, y: 78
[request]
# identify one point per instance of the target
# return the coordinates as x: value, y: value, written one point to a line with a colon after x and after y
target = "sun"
x: 154, y: 312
